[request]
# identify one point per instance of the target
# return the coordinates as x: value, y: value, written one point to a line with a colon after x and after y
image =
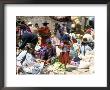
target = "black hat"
x: 45, y: 22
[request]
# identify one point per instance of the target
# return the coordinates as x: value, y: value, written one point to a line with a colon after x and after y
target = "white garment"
x: 29, y: 65
x: 28, y: 60
x: 37, y: 47
x: 89, y: 37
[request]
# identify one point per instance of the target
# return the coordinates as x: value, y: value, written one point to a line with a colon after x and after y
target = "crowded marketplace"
x: 55, y: 45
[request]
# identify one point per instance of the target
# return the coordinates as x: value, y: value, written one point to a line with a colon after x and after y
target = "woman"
x: 45, y: 33
x: 64, y: 56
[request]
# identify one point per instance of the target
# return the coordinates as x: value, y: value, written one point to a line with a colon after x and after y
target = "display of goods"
x: 56, y: 68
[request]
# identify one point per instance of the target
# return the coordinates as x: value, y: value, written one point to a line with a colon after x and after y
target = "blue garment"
x: 28, y: 37
x: 65, y: 37
x: 74, y: 52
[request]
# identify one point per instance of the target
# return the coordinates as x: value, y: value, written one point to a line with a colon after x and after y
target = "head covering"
x: 84, y: 40
x: 45, y: 22
x: 29, y: 23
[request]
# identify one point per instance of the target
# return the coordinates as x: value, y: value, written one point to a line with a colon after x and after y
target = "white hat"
x: 29, y: 23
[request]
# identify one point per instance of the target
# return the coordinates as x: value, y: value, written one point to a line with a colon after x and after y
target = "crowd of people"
x: 37, y: 46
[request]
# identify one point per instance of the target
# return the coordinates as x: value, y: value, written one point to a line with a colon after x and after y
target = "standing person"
x: 24, y: 27
x: 62, y: 30
x: 55, y: 40
x: 64, y: 56
x: 36, y: 28
x: 74, y: 51
x: 45, y: 33
x: 30, y: 26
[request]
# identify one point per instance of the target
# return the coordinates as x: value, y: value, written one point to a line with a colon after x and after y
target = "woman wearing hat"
x: 44, y: 32
x: 64, y: 56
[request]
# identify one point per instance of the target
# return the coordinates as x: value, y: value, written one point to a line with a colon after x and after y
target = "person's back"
x: 28, y: 37
x: 84, y: 48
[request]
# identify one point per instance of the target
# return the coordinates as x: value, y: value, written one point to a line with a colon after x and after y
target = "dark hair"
x: 22, y: 22
x: 36, y: 24
x: 45, y: 24
x: 84, y: 43
x: 85, y: 39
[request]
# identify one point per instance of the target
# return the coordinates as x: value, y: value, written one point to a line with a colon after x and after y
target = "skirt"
x: 64, y: 58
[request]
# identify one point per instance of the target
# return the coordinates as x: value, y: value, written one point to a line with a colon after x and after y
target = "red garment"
x: 44, y: 31
x: 64, y: 58
x: 45, y: 34
x: 89, y: 30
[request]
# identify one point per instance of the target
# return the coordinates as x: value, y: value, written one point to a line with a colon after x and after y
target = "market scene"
x: 55, y: 45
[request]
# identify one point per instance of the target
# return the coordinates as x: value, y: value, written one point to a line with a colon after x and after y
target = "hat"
x: 84, y: 40
x: 45, y: 22
x: 29, y: 23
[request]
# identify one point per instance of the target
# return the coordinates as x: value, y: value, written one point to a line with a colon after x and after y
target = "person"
x: 62, y: 30
x: 84, y: 47
x: 66, y: 38
x: 35, y: 28
x: 26, y: 62
x: 55, y: 40
x: 74, y: 50
x: 30, y: 26
x: 64, y: 56
x: 24, y: 27
x: 28, y: 37
x: 45, y: 33
x: 57, y: 27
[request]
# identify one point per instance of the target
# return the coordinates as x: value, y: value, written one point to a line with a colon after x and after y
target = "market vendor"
x: 27, y: 63
x: 45, y: 33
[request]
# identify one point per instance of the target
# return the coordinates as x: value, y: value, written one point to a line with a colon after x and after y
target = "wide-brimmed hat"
x: 29, y: 23
x: 84, y: 40
x: 45, y: 22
